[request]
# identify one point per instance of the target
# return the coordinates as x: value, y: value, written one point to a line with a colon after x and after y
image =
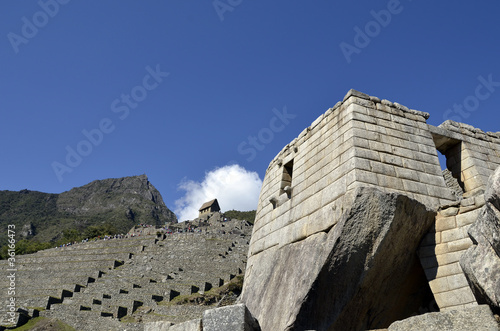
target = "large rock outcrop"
x: 120, y: 202
x: 363, y: 273
x: 481, y: 262
x: 471, y: 319
x: 133, y: 197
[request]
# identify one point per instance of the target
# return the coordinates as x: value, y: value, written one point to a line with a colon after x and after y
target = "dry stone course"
x: 108, y: 280
x: 307, y: 193
x: 481, y: 262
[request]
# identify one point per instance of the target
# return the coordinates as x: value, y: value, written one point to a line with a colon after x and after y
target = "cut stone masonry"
x: 364, y: 141
x: 114, y: 278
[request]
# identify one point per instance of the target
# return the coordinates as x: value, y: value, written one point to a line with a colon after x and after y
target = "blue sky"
x: 177, y: 89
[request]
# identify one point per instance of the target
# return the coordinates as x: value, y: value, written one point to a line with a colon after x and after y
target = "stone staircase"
x: 107, y: 281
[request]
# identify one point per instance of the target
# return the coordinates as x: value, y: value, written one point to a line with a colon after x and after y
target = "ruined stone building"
x: 319, y: 260
x: 209, y: 207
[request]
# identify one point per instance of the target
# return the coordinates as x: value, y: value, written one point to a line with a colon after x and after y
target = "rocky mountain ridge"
x: 118, y: 203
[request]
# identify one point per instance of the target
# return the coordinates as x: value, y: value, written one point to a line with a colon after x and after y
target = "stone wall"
x: 367, y: 142
x: 104, y: 280
x: 441, y: 250
x: 362, y: 141
x: 472, y: 155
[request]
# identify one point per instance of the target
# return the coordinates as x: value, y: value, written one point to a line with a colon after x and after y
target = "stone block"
x: 193, y: 325
x: 454, y: 297
x: 464, y: 210
x: 474, y: 182
x: 450, y: 211
x: 448, y: 258
x: 439, y: 285
x: 362, y: 164
x: 391, y: 140
x: 413, y: 165
x: 454, y: 234
x: 457, y: 281
x: 441, y: 249
x: 382, y: 168
x: 467, y: 202
x: 427, y: 149
x: 391, y: 159
x: 363, y: 118
x: 361, y: 134
x: 479, y: 201
x: 229, y: 318
x: 403, y: 152
x: 333, y: 191
x: 404, y: 173
x: 365, y: 177
x: 375, y: 128
x: 390, y: 182
x: 415, y: 187
x: 459, y: 245
x: 433, y: 168
x: 380, y: 147
x: 467, y: 218
x: 368, y: 154
x: 448, y: 270
x: 445, y: 223
x: 379, y: 114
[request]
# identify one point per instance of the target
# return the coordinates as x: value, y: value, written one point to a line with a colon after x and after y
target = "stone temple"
x: 357, y: 228
x: 298, y: 260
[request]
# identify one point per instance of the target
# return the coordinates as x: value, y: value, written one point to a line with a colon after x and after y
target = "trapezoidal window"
x: 286, y: 179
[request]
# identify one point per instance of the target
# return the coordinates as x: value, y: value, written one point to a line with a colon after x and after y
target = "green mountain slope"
x: 112, y: 204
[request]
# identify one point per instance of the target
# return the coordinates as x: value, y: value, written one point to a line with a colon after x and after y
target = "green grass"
x: 44, y: 323
x: 248, y: 216
x: 209, y: 297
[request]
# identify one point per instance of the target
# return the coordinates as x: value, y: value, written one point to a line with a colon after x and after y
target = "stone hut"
x: 209, y: 207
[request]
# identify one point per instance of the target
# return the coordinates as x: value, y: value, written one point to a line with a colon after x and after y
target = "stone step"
x: 56, y: 266
x: 31, y: 302
x: 88, y: 250
x: 62, y: 290
x: 45, y: 281
x: 123, y: 299
x: 122, y: 256
x: 105, y: 309
x: 164, y: 290
x: 180, y: 313
x: 91, y: 320
x: 111, y: 242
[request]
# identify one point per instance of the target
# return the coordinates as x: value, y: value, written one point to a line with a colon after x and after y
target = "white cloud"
x: 232, y: 185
